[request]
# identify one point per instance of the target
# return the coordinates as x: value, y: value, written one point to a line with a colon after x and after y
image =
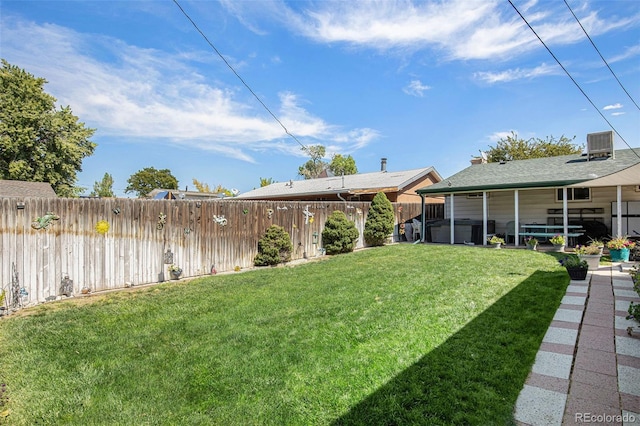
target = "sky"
x: 421, y: 83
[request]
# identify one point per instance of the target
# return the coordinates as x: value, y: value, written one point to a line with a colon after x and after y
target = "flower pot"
x: 619, y: 255
x: 579, y: 274
x: 593, y: 260
x: 495, y: 246
x: 175, y: 275
x: 558, y: 248
x: 532, y: 246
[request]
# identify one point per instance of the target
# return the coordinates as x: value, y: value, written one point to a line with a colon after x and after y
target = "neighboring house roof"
x: 173, y: 194
x: 361, y: 183
x: 20, y: 188
x: 557, y: 171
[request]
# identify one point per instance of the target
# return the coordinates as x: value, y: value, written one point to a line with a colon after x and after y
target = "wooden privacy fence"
x: 42, y: 240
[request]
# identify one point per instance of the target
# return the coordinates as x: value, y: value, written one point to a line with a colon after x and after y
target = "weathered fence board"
x: 200, y: 235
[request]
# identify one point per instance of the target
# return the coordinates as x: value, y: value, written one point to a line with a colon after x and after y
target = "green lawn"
x: 403, y: 334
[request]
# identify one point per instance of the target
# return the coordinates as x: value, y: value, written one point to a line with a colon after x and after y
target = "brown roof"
x: 20, y: 188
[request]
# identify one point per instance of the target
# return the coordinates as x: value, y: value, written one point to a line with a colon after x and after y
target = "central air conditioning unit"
x: 600, y: 145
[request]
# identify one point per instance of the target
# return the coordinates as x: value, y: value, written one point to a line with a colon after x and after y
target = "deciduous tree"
x: 38, y: 142
x: 312, y: 168
x: 146, y: 180
x: 514, y: 148
x: 343, y: 165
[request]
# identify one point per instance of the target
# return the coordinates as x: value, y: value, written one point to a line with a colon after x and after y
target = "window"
x: 575, y: 194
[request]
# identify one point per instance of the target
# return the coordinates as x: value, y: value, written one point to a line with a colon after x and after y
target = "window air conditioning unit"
x: 600, y: 144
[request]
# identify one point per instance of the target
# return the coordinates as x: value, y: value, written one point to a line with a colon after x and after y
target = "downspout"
x: 423, y: 226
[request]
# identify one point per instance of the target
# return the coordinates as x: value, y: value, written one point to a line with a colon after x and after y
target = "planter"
x: 593, y: 260
x: 619, y: 255
x: 175, y: 275
x: 495, y: 246
x: 579, y: 274
x: 532, y: 246
x: 558, y: 248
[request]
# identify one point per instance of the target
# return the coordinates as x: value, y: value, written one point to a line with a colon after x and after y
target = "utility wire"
x: 601, y: 57
x: 238, y: 75
x: 572, y: 79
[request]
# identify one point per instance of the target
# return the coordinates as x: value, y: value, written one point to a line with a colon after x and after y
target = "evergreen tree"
x: 379, y: 223
x: 103, y: 188
x: 339, y: 234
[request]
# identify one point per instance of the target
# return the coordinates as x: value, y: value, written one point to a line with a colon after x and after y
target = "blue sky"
x: 422, y: 83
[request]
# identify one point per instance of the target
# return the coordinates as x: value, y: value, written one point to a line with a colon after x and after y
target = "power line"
x: 601, y: 57
x: 238, y: 75
x: 572, y: 79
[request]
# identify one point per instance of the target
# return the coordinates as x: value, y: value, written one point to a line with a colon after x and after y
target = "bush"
x: 274, y: 247
x: 339, y: 234
x: 379, y: 222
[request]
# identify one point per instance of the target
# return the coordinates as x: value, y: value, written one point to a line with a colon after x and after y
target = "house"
x: 590, y: 191
x: 23, y: 189
x: 176, y: 194
x: 397, y: 186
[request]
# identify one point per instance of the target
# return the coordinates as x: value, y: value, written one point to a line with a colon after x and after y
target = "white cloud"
x: 460, y: 29
x: 617, y: 113
x: 416, y: 88
x: 614, y: 106
x: 150, y: 95
x: 517, y: 74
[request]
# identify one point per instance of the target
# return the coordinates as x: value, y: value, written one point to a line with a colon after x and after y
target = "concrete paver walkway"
x: 587, y: 370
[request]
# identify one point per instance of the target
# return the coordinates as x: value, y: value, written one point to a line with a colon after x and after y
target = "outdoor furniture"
x: 416, y: 227
x: 510, y: 231
x: 545, y: 232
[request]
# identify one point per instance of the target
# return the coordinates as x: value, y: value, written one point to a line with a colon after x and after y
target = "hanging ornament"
x: 162, y: 219
x: 269, y: 213
x: 308, y: 216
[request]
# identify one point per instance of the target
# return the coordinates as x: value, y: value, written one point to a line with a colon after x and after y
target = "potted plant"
x: 175, y: 271
x: 619, y: 248
x: 495, y: 241
x: 597, y: 243
x: 576, y: 268
x: 591, y: 254
x: 532, y: 243
x: 558, y: 242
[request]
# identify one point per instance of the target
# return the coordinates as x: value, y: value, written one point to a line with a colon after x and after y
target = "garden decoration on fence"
x: 45, y: 221
x: 308, y: 216
x: 162, y: 220
x: 220, y: 220
x: 102, y: 227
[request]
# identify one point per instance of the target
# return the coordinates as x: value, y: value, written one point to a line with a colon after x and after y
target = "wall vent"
x: 600, y: 144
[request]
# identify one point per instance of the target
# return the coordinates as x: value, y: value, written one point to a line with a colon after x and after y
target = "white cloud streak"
x: 416, y: 88
x: 517, y: 74
x: 150, y: 95
x: 613, y: 106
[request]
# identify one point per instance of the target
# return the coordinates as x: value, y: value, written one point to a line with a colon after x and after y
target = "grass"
x: 404, y: 334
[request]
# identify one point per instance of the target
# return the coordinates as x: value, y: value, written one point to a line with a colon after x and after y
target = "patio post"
x: 422, y: 218
x: 565, y: 214
x: 619, y: 211
x: 516, y: 197
x: 451, y: 220
x: 484, y: 218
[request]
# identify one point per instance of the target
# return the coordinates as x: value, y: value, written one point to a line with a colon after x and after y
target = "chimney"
x: 383, y: 164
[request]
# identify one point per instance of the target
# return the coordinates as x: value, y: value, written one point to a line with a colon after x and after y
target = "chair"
x: 510, y: 231
x: 416, y: 226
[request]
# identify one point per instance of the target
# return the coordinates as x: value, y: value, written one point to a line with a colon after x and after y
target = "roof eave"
x: 496, y: 187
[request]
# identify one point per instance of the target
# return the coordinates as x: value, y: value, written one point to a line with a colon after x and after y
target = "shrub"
x: 379, y: 222
x: 339, y: 234
x: 274, y: 247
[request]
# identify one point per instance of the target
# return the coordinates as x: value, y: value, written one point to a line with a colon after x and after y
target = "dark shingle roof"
x: 534, y: 173
x: 340, y: 184
x: 19, y: 188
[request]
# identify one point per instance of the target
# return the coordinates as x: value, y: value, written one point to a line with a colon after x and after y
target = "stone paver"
x: 587, y: 369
